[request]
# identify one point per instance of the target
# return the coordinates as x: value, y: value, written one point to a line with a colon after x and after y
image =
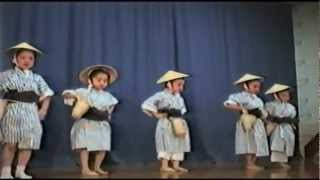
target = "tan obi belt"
x: 179, y: 126
x: 247, y: 121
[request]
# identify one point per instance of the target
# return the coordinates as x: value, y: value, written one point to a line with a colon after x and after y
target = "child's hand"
x: 244, y: 110
x: 69, y: 96
x: 76, y: 119
x: 42, y: 114
x: 160, y: 115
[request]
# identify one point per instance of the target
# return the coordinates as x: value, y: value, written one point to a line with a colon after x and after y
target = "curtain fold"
x: 214, y: 42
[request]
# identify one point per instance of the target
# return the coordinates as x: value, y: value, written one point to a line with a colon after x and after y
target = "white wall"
x: 306, y: 37
x: 1, y: 49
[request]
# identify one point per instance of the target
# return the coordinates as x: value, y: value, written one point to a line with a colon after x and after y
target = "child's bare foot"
x: 254, y: 167
x: 181, y: 169
x: 285, y: 165
x: 88, y: 172
x: 101, y: 172
x: 167, y: 169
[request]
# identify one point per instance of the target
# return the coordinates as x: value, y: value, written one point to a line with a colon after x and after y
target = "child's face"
x: 100, y: 81
x: 284, y: 96
x: 254, y: 87
x: 176, y: 86
x: 25, y: 60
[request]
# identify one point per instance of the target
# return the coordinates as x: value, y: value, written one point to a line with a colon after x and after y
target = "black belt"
x: 25, y: 96
x: 282, y: 120
x: 171, y: 112
x: 96, y: 115
x: 256, y: 112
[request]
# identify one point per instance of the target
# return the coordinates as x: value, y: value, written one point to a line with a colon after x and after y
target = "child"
x: 23, y: 91
x: 92, y: 132
x: 282, y: 115
x: 166, y: 105
x: 251, y: 143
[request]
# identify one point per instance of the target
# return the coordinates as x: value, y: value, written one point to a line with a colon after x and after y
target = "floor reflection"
x: 169, y: 175
x: 298, y: 170
x: 279, y: 174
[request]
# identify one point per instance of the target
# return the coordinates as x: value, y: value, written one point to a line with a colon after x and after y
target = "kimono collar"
x: 250, y: 94
x: 169, y: 92
x: 280, y: 102
x: 23, y: 72
x: 90, y: 88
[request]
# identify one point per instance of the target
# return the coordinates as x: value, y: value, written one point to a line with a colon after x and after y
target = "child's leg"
x: 177, y: 167
x: 281, y: 158
x: 84, y: 157
x: 99, y: 156
x: 164, y: 159
x: 8, y: 153
x: 285, y: 165
x: 250, y: 161
x: 176, y: 159
x: 23, y: 159
x: 254, y: 159
x: 165, y: 166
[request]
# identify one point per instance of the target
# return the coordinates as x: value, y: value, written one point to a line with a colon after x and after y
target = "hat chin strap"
x: 90, y: 85
x: 14, y: 60
x: 245, y: 86
x: 276, y: 97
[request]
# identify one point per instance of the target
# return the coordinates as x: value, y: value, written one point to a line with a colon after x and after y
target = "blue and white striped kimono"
x: 89, y: 134
x: 256, y: 141
x: 20, y: 123
x: 282, y: 137
x: 166, y: 141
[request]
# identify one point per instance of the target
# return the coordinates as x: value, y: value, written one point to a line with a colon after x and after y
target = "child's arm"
x: 45, y: 98
x: 233, y: 103
x: 69, y: 97
x: 236, y: 107
x: 110, y: 110
x: 44, y: 106
x: 3, y: 105
x: 150, y: 108
x: 44, y: 88
x: 113, y: 101
x: 156, y: 115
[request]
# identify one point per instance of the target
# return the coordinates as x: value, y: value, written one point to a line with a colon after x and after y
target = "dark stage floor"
x: 299, y: 169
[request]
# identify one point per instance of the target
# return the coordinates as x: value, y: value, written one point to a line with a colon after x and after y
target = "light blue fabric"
x: 165, y: 139
x: 20, y: 123
x: 255, y: 140
x: 93, y: 135
x: 282, y: 138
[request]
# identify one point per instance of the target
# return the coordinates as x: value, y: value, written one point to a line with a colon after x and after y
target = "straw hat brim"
x: 246, y: 78
x: 112, y: 72
x: 12, y: 50
x: 276, y: 88
x: 171, y: 75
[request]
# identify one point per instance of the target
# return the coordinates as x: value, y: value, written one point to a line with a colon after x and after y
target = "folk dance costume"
x: 254, y: 140
x: 169, y: 146
x: 282, y: 119
x: 92, y: 131
x: 21, y: 91
x: 20, y: 123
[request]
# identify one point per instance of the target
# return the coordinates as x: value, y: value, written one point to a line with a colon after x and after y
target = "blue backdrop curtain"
x: 214, y: 42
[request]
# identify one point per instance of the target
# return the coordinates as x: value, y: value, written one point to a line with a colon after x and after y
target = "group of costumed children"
x: 25, y: 100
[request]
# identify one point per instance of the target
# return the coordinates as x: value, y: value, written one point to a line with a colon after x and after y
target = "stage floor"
x: 298, y: 170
